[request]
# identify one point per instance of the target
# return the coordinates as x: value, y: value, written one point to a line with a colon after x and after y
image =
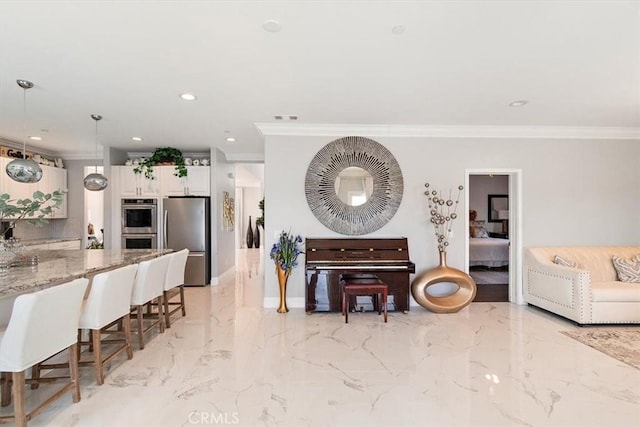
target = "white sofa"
x: 591, y: 294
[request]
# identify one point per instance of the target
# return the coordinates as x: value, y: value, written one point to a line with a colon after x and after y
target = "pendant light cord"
x: 24, y: 123
x: 96, y: 146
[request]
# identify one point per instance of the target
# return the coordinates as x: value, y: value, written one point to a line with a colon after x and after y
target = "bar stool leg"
x: 97, y: 356
x: 18, y: 399
x: 127, y: 335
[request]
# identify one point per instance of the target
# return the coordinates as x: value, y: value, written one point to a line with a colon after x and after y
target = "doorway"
x: 93, y: 214
x: 493, y: 234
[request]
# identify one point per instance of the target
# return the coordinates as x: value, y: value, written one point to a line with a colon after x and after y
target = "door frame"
x: 516, y: 294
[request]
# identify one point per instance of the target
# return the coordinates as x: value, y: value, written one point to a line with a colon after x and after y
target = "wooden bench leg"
x: 384, y: 302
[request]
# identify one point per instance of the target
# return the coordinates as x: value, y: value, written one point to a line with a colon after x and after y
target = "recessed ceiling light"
x: 231, y: 139
x: 271, y: 26
x: 520, y: 103
x: 137, y: 138
x: 398, y: 29
x: 35, y: 138
x: 188, y: 96
x: 277, y: 117
x: 293, y: 117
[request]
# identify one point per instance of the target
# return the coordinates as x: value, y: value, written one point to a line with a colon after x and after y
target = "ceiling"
x: 456, y: 64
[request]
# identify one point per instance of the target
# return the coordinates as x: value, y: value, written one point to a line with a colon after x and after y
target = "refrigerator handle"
x: 165, y: 228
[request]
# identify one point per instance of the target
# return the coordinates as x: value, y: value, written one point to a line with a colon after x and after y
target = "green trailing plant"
x: 260, y: 219
x: 32, y: 210
x: 167, y: 155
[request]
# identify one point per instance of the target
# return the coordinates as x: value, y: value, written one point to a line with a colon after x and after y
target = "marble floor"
x: 231, y: 362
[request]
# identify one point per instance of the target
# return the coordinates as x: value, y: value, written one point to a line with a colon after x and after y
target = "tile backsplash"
x: 53, y: 229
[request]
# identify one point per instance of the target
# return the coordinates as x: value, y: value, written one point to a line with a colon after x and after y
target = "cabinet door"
x: 198, y: 180
x: 171, y: 184
x: 128, y: 181
x: 55, y: 179
x: 136, y: 185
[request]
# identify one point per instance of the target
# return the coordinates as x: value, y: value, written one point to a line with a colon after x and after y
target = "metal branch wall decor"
x: 385, y: 190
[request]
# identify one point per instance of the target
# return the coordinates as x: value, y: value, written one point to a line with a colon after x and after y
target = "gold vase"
x: 283, y: 276
x: 442, y: 273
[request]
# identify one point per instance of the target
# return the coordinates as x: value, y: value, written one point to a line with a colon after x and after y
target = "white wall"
x: 574, y: 192
x: 223, y: 241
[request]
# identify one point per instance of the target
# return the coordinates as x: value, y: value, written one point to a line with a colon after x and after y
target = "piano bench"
x: 362, y: 288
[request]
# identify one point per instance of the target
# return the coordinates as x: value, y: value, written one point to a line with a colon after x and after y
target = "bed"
x: 488, y: 251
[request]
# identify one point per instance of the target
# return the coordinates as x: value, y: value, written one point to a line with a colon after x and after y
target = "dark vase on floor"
x: 256, y: 237
x: 249, y: 235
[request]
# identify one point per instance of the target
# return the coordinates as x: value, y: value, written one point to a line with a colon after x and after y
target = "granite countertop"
x: 60, y: 266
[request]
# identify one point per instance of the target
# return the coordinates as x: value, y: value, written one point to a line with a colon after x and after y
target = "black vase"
x: 249, y: 235
x: 256, y: 237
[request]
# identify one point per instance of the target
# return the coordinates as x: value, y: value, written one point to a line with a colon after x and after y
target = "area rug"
x: 620, y: 343
x: 490, y: 277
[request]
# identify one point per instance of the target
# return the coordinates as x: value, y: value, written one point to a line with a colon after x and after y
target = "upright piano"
x: 330, y: 261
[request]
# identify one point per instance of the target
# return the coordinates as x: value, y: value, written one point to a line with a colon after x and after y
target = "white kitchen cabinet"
x: 52, y: 179
x: 55, y: 179
x: 196, y: 183
x: 136, y: 184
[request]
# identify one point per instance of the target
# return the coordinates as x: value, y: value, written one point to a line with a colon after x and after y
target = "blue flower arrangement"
x: 285, y: 252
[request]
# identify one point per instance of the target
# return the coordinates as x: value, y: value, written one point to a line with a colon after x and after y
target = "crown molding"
x: 426, y: 131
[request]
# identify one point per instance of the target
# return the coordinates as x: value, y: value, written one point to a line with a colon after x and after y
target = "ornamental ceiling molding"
x: 525, y: 132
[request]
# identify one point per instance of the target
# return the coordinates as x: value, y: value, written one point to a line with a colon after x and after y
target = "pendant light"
x: 96, y: 181
x: 24, y: 170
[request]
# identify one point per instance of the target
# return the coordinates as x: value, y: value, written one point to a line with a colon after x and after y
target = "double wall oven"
x: 139, y: 223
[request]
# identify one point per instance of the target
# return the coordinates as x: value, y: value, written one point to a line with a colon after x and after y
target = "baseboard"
x: 230, y: 275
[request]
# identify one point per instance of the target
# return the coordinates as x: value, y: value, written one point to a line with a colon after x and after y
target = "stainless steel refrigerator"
x: 186, y: 224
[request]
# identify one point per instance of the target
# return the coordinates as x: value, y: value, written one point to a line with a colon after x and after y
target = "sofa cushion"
x: 615, y: 291
x: 628, y: 269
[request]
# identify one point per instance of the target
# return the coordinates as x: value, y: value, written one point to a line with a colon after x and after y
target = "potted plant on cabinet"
x: 163, y: 156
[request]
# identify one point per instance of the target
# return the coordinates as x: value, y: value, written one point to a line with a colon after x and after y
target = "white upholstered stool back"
x: 149, y: 282
x: 109, y: 301
x: 149, y: 285
x: 173, y: 279
x: 42, y: 324
x: 109, y: 298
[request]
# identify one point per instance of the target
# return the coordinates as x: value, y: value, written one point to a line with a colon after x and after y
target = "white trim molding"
x: 538, y: 132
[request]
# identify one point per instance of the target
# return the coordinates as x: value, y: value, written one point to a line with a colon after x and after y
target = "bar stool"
x: 362, y: 287
x: 175, y: 279
x: 42, y: 324
x: 147, y: 286
x: 108, y: 303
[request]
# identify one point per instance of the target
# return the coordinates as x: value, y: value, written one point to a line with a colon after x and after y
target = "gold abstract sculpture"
x: 443, y: 212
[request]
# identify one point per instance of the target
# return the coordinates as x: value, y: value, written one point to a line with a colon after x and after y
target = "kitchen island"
x: 60, y: 266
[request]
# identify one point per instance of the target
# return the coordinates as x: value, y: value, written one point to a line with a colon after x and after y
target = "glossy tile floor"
x: 231, y: 362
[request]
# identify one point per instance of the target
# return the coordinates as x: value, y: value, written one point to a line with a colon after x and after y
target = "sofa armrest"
x: 562, y: 290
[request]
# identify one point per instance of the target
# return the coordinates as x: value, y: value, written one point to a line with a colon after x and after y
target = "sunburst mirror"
x: 354, y: 185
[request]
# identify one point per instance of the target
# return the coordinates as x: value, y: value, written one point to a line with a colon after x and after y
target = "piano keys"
x: 330, y: 261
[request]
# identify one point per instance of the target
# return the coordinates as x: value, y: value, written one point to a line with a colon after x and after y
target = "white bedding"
x: 488, y: 251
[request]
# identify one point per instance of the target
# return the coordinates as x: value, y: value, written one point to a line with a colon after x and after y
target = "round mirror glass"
x: 354, y: 186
